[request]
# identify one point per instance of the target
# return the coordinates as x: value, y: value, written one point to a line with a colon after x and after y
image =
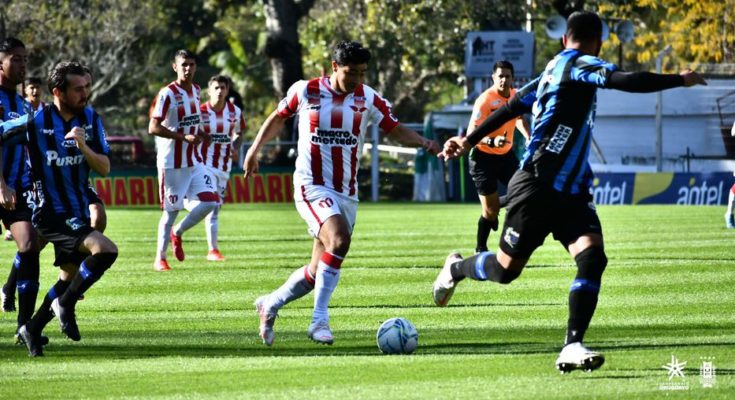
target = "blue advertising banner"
x: 662, y: 188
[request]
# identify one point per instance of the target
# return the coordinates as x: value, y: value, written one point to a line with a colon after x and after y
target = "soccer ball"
x: 397, y: 336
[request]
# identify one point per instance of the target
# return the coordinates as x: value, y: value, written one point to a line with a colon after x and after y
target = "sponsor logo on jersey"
x: 52, y: 158
x: 329, y: 136
x: 557, y: 142
x: 190, y: 120
x: 13, y: 115
x: 221, y: 139
x: 49, y: 131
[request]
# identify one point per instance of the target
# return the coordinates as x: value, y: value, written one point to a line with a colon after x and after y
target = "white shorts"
x: 221, y: 179
x: 316, y: 203
x: 177, y: 183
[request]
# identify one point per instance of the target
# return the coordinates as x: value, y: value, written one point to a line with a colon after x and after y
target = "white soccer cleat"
x: 729, y: 221
x: 444, y: 284
x: 319, y: 332
x: 576, y: 356
x: 267, y: 319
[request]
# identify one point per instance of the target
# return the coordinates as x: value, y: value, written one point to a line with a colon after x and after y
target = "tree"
x: 282, y: 42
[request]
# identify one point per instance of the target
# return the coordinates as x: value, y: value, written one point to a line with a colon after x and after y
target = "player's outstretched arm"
x: 272, y: 126
x: 647, y: 82
x: 409, y: 137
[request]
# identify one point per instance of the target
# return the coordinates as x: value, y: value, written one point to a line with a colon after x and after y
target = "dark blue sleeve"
x: 99, y: 141
x: 592, y: 70
x: 14, y: 131
x: 526, y: 96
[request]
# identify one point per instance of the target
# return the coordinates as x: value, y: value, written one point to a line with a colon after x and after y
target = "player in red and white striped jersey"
x: 333, y: 116
x: 175, y: 121
x: 222, y: 123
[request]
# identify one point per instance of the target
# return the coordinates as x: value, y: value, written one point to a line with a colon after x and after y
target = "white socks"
x: 211, y: 226
x: 196, y: 214
x: 327, y: 277
x: 164, y: 229
x: 296, y: 286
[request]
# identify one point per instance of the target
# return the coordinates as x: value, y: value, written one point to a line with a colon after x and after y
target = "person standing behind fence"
x: 222, y: 125
x: 176, y: 124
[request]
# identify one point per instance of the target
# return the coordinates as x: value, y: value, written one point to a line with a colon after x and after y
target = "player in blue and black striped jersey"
x: 24, y: 273
x: 65, y: 141
x: 550, y: 193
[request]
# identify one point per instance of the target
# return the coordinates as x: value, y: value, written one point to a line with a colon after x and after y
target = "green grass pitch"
x: 669, y: 290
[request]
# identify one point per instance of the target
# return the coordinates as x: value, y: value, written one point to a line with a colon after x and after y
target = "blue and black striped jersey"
x: 15, y: 163
x: 563, y: 102
x: 59, y: 169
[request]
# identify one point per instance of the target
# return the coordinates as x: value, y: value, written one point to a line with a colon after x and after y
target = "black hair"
x: 183, y: 53
x: 58, y: 76
x: 34, y: 80
x: 583, y: 26
x: 10, y: 43
x: 347, y: 52
x: 221, y: 79
x: 504, y: 64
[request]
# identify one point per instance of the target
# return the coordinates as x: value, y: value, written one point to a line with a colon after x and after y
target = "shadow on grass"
x: 203, y: 343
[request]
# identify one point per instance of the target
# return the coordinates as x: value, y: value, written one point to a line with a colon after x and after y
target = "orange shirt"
x: 488, y: 102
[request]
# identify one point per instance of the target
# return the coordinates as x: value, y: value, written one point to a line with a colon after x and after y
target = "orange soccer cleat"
x: 215, y: 255
x: 161, y: 265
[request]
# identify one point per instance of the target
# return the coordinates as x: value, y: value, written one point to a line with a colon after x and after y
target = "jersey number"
x: 326, y: 203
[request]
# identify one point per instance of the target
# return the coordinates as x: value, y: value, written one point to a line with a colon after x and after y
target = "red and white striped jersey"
x: 178, y: 109
x: 223, y: 127
x: 332, y: 130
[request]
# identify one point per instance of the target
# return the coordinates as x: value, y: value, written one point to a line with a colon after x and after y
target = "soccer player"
x: 175, y: 121
x: 24, y: 274
x: 34, y: 93
x: 222, y: 123
x: 729, y: 220
x: 333, y: 115
x: 550, y: 193
x: 64, y: 141
x: 492, y: 159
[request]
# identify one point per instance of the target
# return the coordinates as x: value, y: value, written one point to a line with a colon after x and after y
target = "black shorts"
x: 24, y: 204
x: 535, y: 209
x: 66, y: 232
x: 487, y: 169
x: 92, y: 195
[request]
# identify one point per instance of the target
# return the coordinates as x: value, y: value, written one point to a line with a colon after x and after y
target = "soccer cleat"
x: 576, y: 356
x: 444, y: 284
x: 176, y: 244
x: 32, y: 342
x: 215, y: 255
x: 67, y: 320
x: 319, y: 332
x: 267, y: 319
x: 8, y: 235
x: 8, y: 299
x: 161, y: 265
x: 43, y: 340
x: 729, y: 221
